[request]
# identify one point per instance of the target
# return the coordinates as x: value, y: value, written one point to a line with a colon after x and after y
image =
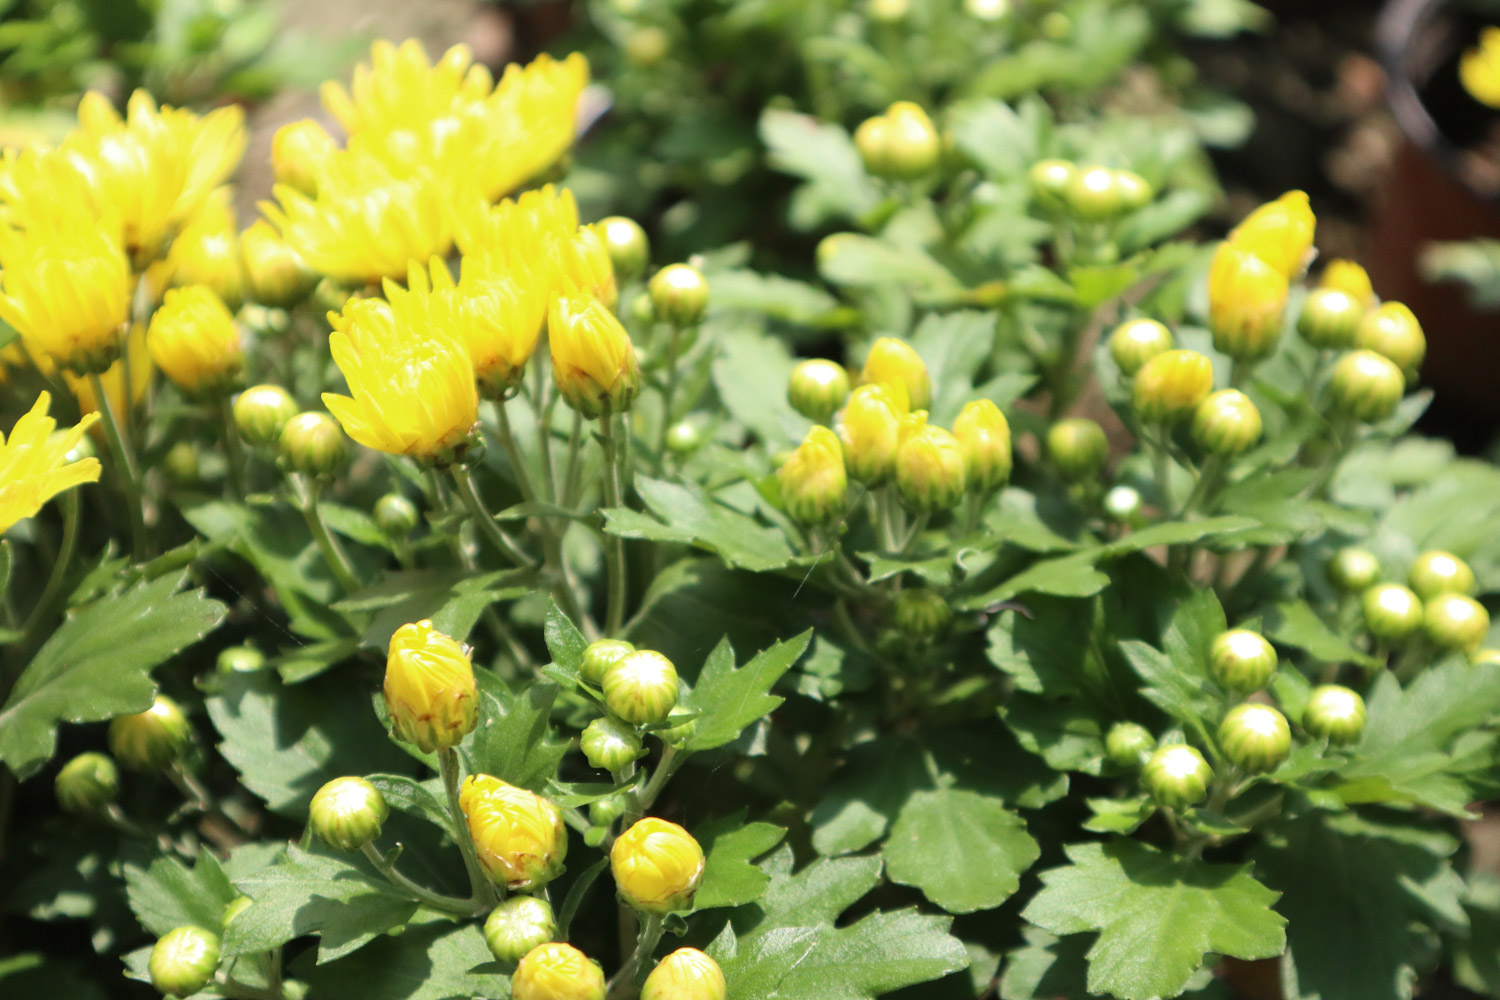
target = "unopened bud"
x: 983, y: 436
x: 1255, y: 738
x: 518, y: 925
x: 603, y: 812
x: 1127, y: 744
x: 1392, y: 331
x: 657, y: 866
x: 1123, y: 503
x: 1177, y: 776
x: 1078, y: 448
x: 87, y: 783
x: 232, y: 909
x: 679, y: 294
x: 1434, y: 573
x: 1353, y: 570
x: 921, y: 614
x: 610, y: 744
x: 1226, y: 423
x: 814, y: 483
x: 818, y: 388
x: 183, y: 961
x: 1093, y: 195
x: 1392, y: 613
x: 181, y: 465
x: 1049, y: 182
x: 348, y: 813
x: 930, y: 470
x: 641, y: 687
x: 1351, y: 279
x: 396, y: 516
x: 1242, y: 661
x: 430, y: 692
x: 686, y: 974
x: 913, y: 146
x: 1134, y: 190
x: 1455, y: 621
x: 1334, y: 713
x: 1246, y: 303
x: 519, y: 836
x: 1137, y: 341
x: 557, y: 971
x: 893, y: 361
x: 627, y: 245
x: 869, y: 427
x: 261, y: 413
x: 1367, y: 386
x: 240, y: 660
x: 1169, y: 387
x: 599, y: 656
x: 1329, y: 319
x: 683, y: 438
x: 1485, y: 658
x: 312, y: 443
x: 1280, y: 233
x: 277, y: 274
x: 152, y: 739
x: 298, y: 152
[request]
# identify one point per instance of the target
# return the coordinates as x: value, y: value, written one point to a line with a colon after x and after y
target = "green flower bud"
x: 348, y: 813
x: 987, y: 10
x: 184, y: 960
x: 1226, y: 423
x: 1392, y: 613
x: 1255, y: 738
x: 889, y: 11
x: 814, y: 481
x: 1123, y: 503
x: 1335, y: 714
x: 86, y: 783
x: 1134, y: 190
x: 930, y: 471
x: 686, y: 974
x: 396, y: 516
x: 641, y: 687
x: 647, y: 47
x: 871, y: 141
x: 181, y: 465
x: 679, y: 735
x: 1170, y: 386
x: 1049, y: 182
x: 1127, y: 744
x: 232, y: 909
x: 261, y: 411
x: 1392, y: 331
x: 683, y: 437
x: 1093, y: 195
x: 1366, y: 386
x: 1137, y: 341
x: 1329, y: 319
x: 627, y: 245
x: 1455, y: 621
x: 241, y: 660
x: 679, y: 294
x: 913, y: 146
x: 151, y: 739
x: 312, y: 443
x: 599, y: 656
x: 1242, y: 661
x: 605, y: 811
x: 1078, y: 448
x: 1353, y: 570
x: 1436, y: 573
x: 610, y: 744
x: 818, y: 388
x: 518, y: 925
x: 921, y: 614
x: 1177, y: 776
x: 1485, y: 658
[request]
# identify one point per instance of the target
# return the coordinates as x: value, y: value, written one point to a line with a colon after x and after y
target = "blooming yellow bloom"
x: 657, y: 866
x: 593, y: 361
x: 813, y: 481
x: 194, y: 340
x: 365, y: 223
x: 891, y: 360
x: 519, y: 836
x: 207, y: 251
x: 869, y: 426
x: 557, y: 971
x: 1246, y: 302
x: 531, y: 120
x: 66, y: 288
x: 1351, y: 279
x: 1280, y: 233
x: 411, y: 385
x: 686, y: 974
x: 930, y: 470
x: 429, y: 687
x: 536, y: 240
x: 1479, y: 69
x: 34, y: 466
x: 299, y: 152
x: 400, y: 89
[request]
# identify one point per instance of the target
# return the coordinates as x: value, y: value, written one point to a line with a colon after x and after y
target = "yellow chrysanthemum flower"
x: 194, y: 340
x: 519, y: 836
x: 365, y: 223
x: 299, y: 152
x: 657, y: 866
x: 593, y: 360
x: 155, y: 166
x: 1479, y: 69
x: 429, y: 687
x: 34, y: 466
x: 536, y: 240
x: 1280, y: 233
x: 411, y: 386
x: 400, y: 89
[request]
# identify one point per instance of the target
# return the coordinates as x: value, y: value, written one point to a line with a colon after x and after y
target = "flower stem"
x: 307, y: 494
x: 667, y: 395
x: 487, y: 526
x: 513, y: 452
x: 614, y: 545
x: 570, y: 477
x: 125, y: 466
x: 435, y: 900
x: 234, y: 456
x: 39, y: 611
x: 625, y: 984
x: 484, y: 893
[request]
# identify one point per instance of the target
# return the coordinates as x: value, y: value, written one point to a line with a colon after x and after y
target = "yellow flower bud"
x: 348, y: 813
x: 557, y: 971
x: 519, y: 836
x: 686, y: 974
x: 86, y: 783
x: 593, y: 361
x: 68, y: 294
x: 983, y: 435
x: 276, y: 273
x: 818, y: 388
x: 893, y: 361
x: 1280, y: 233
x: 1246, y: 302
x: 1226, y: 423
x: 1351, y: 279
x: 184, y: 960
x: 1436, y: 572
x: 1049, y: 181
x: 1479, y: 68
x: 1329, y: 319
x: 429, y: 688
x: 869, y: 428
x: 194, y: 340
x: 1137, y: 341
x: 599, y: 656
x: 913, y: 146
x: 1170, y: 386
x: 1394, y: 332
x: 641, y: 687
x: 930, y: 470
x: 814, y: 484
x: 1366, y: 385
x: 151, y: 739
x: 1093, y: 194
x: 207, y: 252
x: 299, y: 151
x: 657, y: 866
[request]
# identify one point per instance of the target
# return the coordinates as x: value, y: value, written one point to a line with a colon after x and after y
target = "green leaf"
x: 1178, y: 680
x: 31, y: 975
x: 426, y: 962
x: 565, y: 643
x: 452, y: 598
x: 965, y: 851
x: 730, y: 845
x: 1158, y: 915
x: 416, y: 798
x: 165, y: 894
x: 1475, y: 263
x: 747, y: 362
x: 729, y: 699
x: 98, y: 665
x: 825, y: 157
x: 1356, y: 894
x: 953, y: 346
x: 514, y: 740
x: 1161, y: 219
x: 858, y: 261
x: 1294, y: 623
x: 346, y: 904
x: 1047, y: 967
x: 688, y: 514
x: 1118, y: 815
x: 1068, y: 576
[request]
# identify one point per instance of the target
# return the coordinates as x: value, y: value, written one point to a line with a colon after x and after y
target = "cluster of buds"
x: 901, y: 144
x: 1088, y: 193
x: 1437, y: 603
